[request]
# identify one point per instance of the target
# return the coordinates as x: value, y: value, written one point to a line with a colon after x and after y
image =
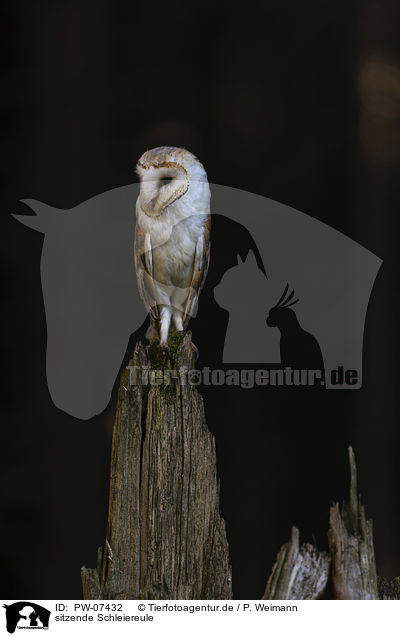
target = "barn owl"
x: 172, y: 238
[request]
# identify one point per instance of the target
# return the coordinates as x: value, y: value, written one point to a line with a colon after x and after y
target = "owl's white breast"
x: 174, y: 235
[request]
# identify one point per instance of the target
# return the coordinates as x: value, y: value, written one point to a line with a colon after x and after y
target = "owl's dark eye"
x: 166, y: 180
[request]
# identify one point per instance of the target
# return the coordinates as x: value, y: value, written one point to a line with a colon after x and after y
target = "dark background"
x: 299, y: 102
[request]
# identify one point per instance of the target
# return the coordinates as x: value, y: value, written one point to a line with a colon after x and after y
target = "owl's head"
x: 170, y: 175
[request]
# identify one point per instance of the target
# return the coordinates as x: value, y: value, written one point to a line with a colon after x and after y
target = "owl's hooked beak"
x: 150, y: 206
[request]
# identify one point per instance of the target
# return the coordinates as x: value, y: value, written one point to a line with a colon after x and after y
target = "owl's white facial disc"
x: 166, y: 175
x: 160, y: 186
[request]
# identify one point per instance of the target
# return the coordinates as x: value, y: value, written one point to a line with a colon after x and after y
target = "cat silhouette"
x: 245, y: 292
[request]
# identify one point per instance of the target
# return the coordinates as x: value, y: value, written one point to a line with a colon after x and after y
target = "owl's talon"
x: 195, y: 349
x: 166, y: 352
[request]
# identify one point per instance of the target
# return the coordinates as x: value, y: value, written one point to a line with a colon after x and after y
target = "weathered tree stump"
x: 165, y: 536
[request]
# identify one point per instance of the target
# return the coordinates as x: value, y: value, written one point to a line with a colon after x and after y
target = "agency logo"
x: 26, y: 615
x: 296, y: 300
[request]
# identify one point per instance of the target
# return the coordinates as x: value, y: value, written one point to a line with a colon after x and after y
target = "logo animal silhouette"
x: 299, y: 349
x: 244, y: 292
x: 93, y: 306
x: 26, y: 614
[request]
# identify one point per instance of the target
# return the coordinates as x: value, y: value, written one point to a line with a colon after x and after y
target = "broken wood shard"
x: 165, y: 536
x: 299, y: 572
x: 302, y: 573
x: 352, y: 547
x: 389, y: 590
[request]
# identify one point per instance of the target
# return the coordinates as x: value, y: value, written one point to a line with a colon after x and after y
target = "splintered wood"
x: 352, y: 547
x: 299, y: 572
x: 303, y: 572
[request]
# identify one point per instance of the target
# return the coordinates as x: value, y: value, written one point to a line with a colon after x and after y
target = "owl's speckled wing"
x: 144, y: 271
x: 200, y: 269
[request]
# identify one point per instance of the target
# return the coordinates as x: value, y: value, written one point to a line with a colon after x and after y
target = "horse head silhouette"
x: 91, y: 309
